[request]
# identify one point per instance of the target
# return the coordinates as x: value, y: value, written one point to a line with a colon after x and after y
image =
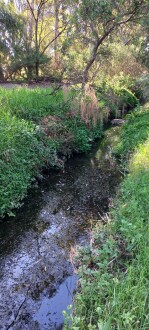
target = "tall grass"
x: 32, y: 104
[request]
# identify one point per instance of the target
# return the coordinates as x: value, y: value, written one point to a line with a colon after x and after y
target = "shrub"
x: 116, y: 101
x: 142, y: 85
x: 22, y: 155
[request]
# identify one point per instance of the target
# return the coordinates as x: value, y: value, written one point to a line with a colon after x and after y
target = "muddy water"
x: 37, y: 279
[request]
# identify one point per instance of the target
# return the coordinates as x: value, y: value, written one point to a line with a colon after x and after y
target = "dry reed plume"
x: 89, y: 106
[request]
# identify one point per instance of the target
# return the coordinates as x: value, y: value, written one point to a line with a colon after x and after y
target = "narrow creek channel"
x: 37, y: 280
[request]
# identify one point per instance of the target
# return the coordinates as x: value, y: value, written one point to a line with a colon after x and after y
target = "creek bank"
x: 36, y: 127
x: 114, y: 267
x: 37, y: 246
x: 41, y: 128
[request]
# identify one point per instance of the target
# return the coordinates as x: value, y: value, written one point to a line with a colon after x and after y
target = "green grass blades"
x: 32, y: 104
x: 114, y: 269
x: 134, y: 132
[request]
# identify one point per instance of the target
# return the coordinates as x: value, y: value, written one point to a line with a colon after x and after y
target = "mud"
x: 37, y: 279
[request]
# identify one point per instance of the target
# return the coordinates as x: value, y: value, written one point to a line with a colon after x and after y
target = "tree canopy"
x: 67, y: 38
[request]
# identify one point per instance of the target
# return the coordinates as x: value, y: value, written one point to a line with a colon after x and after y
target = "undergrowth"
x: 23, y: 152
x: 114, y: 268
x: 37, y: 127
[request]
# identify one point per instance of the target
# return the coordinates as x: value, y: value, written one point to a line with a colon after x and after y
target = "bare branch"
x: 58, y: 35
x: 31, y: 9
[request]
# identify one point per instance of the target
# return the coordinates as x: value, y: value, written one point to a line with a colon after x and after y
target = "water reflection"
x: 50, y: 314
x: 35, y: 245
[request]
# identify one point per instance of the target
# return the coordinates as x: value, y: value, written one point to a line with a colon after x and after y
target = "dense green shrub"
x: 142, y: 85
x: 23, y: 152
x: 116, y: 99
x: 126, y: 98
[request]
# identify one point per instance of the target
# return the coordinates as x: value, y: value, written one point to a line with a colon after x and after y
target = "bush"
x: 116, y: 101
x: 142, y: 85
x: 22, y: 154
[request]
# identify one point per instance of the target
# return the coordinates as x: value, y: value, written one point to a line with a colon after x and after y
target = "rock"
x: 117, y: 122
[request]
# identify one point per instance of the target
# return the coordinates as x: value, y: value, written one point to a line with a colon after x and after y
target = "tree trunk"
x: 31, y: 23
x: 56, y: 7
x: 88, y: 66
x: 37, y: 50
x: 92, y: 58
x: 37, y: 69
x: 1, y: 74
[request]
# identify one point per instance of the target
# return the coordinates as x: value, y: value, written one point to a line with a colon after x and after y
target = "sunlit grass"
x: 134, y: 132
x: 140, y: 159
x: 32, y: 104
x: 114, y: 272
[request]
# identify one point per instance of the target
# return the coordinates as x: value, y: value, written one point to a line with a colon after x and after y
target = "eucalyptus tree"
x: 97, y: 21
x: 43, y: 28
x: 143, y: 55
x: 11, y: 28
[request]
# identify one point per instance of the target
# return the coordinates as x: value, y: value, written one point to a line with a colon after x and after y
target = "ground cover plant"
x: 114, y: 268
x: 37, y: 127
x: 23, y: 152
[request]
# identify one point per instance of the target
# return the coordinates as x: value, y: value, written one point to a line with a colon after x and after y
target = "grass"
x: 114, y: 269
x: 134, y: 133
x: 32, y: 104
x: 37, y: 127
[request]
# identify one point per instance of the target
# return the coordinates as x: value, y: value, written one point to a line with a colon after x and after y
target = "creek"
x: 37, y: 279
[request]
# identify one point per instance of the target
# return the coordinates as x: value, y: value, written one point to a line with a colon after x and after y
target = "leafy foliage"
x: 114, y: 268
x: 35, y: 127
x: 142, y: 86
x: 115, y: 99
x: 23, y: 153
x: 11, y: 34
x: 38, y: 32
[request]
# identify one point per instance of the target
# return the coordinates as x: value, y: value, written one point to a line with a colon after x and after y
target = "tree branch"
x: 99, y: 41
x: 31, y: 10
x: 45, y: 48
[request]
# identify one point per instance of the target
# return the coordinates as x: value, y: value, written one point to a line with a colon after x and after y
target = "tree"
x: 11, y: 27
x: 143, y: 55
x: 44, y: 15
x: 97, y: 20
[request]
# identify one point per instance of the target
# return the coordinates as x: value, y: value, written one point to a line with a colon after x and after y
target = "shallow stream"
x: 37, y: 279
